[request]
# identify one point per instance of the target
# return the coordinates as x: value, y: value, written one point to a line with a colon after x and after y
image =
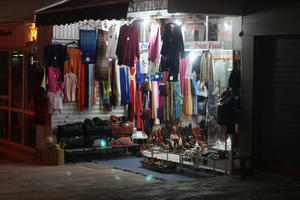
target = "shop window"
x: 3, y: 124
x: 29, y: 131
x: 16, y: 127
x: 17, y: 79
x: 220, y: 29
x: 193, y: 28
x: 4, y: 63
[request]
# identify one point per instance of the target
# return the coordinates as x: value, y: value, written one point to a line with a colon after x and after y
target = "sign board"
x: 203, y: 45
x: 144, y: 46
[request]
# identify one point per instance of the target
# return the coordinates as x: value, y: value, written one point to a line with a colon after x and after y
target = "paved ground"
x: 95, y: 181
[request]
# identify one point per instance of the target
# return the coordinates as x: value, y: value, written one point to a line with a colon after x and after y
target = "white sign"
x: 203, y: 45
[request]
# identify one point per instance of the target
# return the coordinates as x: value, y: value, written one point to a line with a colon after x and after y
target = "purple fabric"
x: 128, y: 45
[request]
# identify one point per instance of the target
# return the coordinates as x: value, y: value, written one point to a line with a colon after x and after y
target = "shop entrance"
x: 16, y: 98
x: 277, y: 102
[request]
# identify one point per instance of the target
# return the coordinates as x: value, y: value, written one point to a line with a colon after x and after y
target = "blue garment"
x: 140, y: 77
x: 158, y: 76
x: 124, y: 82
x: 177, y: 99
x: 88, y: 41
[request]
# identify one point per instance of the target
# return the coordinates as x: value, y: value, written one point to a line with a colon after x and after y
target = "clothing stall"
x: 169, y: 82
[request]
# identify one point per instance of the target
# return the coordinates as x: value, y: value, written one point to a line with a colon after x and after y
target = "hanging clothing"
x: 144, y: 62
x: 183, y: 65
x: 88, y: 42
x: 90, y: 85
x: 81, y: 88
x: 54, y: 79
x: 177, y: 100
x: 155, y: 99
x: 171, y: 48
x: 56, y: 55
x: 139, y: 123
x: 206, y: 68
x: 74, y: 61
x: 112, y: 41
x: 194, y: 91
x: 131, y: 107
x: 55, y: 101
x: 153, y: 41
x: 102, y: 63
x: 114, y: 84
x: 128, y: 45
x: 118, y: 84
x: 188, y: 98
x: 140, y: 77
x: 70, y: 85
x: 105, y: 90
x: 154, y: 48
x: 86, y: 86
x: 124, y: 80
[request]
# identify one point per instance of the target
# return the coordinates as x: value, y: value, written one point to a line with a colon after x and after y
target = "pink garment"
x: 54, y: 79
x: 70, y: 85
x: 183, y: 62
x: 55, y: 101
x: 153, y: 41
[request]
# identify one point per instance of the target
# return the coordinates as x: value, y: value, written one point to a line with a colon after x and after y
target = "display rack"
x: 182, y: 163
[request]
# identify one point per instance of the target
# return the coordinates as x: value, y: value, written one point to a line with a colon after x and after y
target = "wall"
x: 19, y: 36
x: 70, y: 114
x: 262, y: 18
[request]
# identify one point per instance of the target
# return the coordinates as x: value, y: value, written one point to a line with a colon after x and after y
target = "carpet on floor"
x: 132, y: 164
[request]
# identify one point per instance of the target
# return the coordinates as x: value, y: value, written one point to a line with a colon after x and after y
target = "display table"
x: 100, y: 152
x: 213, y: 166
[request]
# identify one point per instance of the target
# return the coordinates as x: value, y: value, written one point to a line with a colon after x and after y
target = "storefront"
x: 16, y: 83
x: 165, y: 72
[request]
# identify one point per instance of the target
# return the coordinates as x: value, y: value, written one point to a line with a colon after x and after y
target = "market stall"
x: 173, y: 76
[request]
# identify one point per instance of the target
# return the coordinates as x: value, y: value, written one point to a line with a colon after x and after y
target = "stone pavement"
x: 28, y: 181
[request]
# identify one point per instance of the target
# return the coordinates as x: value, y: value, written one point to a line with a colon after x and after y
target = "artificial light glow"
x: 227, y: 26
x: 192, y: 56
x: 149, y: 177
x: 33, y: 31
x: 103, y: 143
x: 146, y: 22
x: 178, y: 22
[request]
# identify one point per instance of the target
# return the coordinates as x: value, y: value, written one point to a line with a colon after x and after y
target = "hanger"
x: 87, y: 24
x: 73, y: 43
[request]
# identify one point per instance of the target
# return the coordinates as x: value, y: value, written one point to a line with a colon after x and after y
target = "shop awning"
x: 211, y: 7
x: 76, y: 10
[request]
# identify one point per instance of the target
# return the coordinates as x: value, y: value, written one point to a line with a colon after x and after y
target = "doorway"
x: 16, y: 98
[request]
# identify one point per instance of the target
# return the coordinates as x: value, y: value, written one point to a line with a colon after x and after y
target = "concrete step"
x: 13, y: 155
x: 18, y: 148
